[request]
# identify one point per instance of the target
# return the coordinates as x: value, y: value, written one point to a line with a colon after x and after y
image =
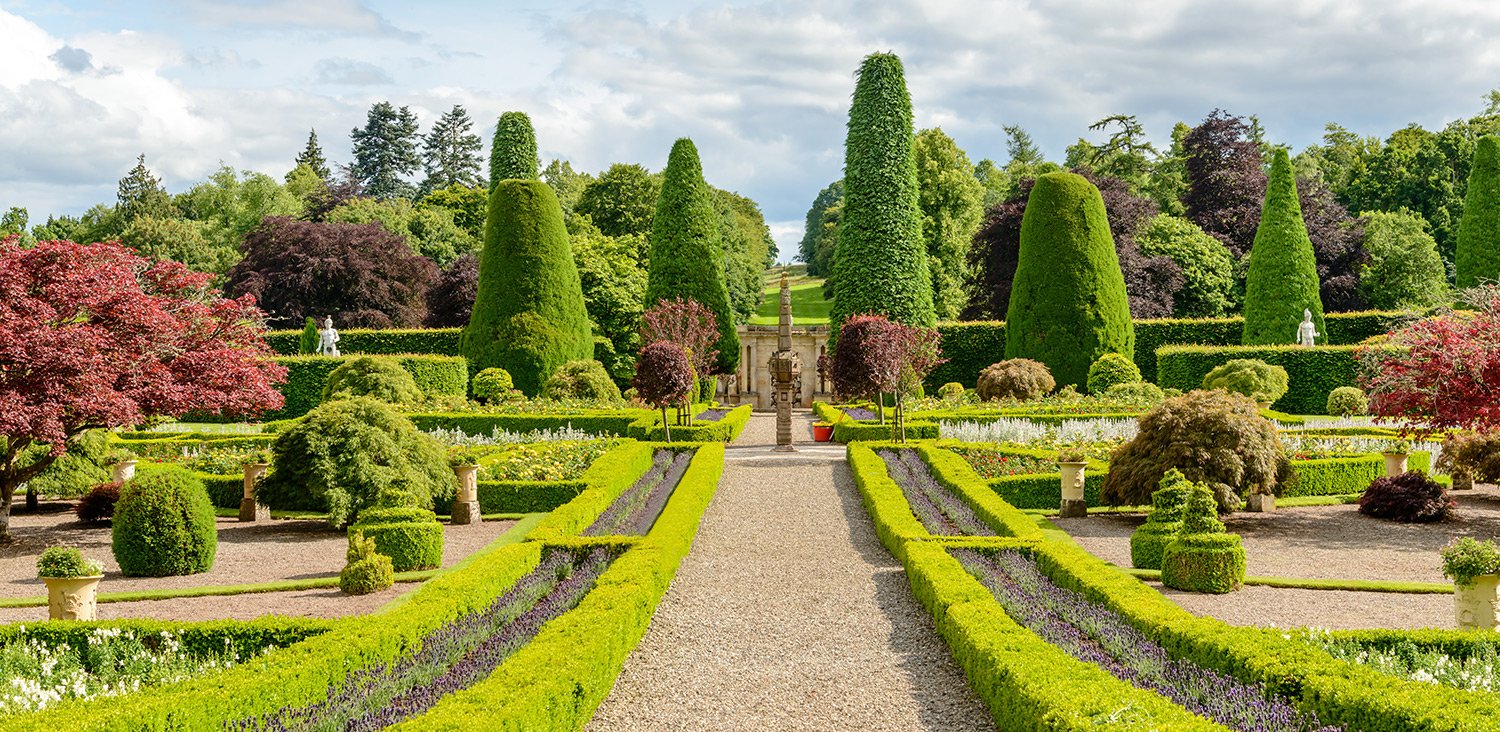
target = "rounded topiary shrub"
x: 368, y: 376
x: 1202, y: 558
x: 585, y: 379
x: 98, y: 505
x: 1136, y: 392
x: 1112, y: 369
x: 1410, y: 497
x: 1347, y: 401
x: 411, y: 537
x: 1213, y: 437
x: 344, y: 453
x: 366, y: 570
x: 164, y: 525
x: 1018, y: 378
x: 1249, y: 376
x: 491, y: 385
x: 951, y: 391
x: 1163, y: 523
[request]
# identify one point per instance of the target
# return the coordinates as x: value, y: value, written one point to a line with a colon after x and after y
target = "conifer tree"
x: 1068, y: 304
x: 312, y: 156
x: 1283, y: 276
x: 528, y: 317
x: 1477, y: 258
x: 450, y: 152
x: 687, y: 256
x: 513, y: 152
x: 880, y: 263
x: 385, y: 151
x: 141, y: 194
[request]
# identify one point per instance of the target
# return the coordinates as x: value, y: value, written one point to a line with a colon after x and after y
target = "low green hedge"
x: 526, y: 496
x: 173, y: 445
x: 607, y: 478
x: 306, y: 375
x: 1343, y: 475
x: 245, y: 637
x: 1313, y: 372
x: 612, y: 422
x: 438, y: 341
x: 725, y: 430
x: 851, y: 431
x: 411, y: 537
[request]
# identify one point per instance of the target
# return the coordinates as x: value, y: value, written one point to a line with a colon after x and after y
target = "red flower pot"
x: 823, y: 432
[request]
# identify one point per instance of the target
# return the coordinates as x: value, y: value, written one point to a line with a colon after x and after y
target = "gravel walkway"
x: 789, y: 615
x: 1333, y: 609
x: 324, y: 603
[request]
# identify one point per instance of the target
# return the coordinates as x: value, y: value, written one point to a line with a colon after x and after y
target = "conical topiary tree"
x: 513, y: 152
x: 528, y: 315
x: 1283, y: 276
x: 687, y: 255
x: 880, y: 263
x: 1163, y: 523
x: 1068, y: 304
x: 1477, y: 258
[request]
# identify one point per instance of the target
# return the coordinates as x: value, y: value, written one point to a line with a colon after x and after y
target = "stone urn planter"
x: 1073, y: 504
x: 72, y: 598
x: 466, y: 503
x: 1263, y: 405
x: 1395, y: 463
x: 122, y: 471
x: 1463, y: 481
x: 1474, y: 604
x: 250, y: 510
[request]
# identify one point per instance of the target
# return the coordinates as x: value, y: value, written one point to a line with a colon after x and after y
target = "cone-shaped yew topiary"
x: 1068, y: 304
x: 1477, y: 257
x: 513, y: 152
x: 880, y: 263
x: 1202, y: 558
x: 687, y: 252
x: 528, y: 316
x: 1283, y: 276
x: 1162, y: 524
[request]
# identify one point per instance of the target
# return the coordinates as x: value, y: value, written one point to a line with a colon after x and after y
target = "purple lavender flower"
x: 710, y: 415
x: 860, y: 414
x: 941, y: 512
x: 636, y: 510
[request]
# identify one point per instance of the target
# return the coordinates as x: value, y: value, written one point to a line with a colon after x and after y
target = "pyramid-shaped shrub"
x: 1477, y: 258
x: 1283, y: 276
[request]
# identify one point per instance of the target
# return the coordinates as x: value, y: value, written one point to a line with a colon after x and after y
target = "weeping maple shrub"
x: 1410, y: 497
x: 94, y: 336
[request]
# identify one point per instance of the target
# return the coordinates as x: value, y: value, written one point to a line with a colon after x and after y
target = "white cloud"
x: 348, y: 72
x: 337, y: 16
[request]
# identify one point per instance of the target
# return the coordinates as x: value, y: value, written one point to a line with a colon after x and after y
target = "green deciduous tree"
x: 613, y: 278
x: 312, y: 156
x: 747, y: 244
x: 821, y: 232
x: 1412, y: 171
x: 621, y: 201
x: 1404, y: 269
x: 950, y: 197
x: 880, y: 264
x: 687, y: 251
x: 1068, y: 304
x: 466, y: 204
x: 230, y: 205
x: 429, y: 230
x: 1283, y: 276
x: 179, y: 240
x: 528, y: 316
x: 1207, y: 270
x: 385, y: 151
x: 451, y: 152
x: 1477, y: 258
x: 513, y: 152
x: 566, y: 182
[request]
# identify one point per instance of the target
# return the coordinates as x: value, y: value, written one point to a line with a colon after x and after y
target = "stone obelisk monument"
x: 786, y: 366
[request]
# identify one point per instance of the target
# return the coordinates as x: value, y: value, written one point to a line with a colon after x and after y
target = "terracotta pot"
x: 823, y: 433
x: 72, y: 598
x: 1395, y: 463
x: 1474, y: 604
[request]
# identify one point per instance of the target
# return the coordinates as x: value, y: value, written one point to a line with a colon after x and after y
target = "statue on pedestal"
x: 328, y: 338
x: 1307, y: 332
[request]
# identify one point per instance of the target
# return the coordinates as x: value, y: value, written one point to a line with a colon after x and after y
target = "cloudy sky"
x: 762, y: 87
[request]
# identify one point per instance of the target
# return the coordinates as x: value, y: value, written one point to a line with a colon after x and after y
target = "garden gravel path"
x: 321, y: 603
x: 789, y: 615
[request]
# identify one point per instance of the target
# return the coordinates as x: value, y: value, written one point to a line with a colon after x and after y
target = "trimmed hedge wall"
x: 1313, y: 372
x: 525, y: 496
x: 611, y: 422
x: 724, y: 430
x: 435, y: 341
x: 1345, y: 475
x: 306, y: 375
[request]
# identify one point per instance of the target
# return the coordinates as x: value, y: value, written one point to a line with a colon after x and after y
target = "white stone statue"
x: 1307, y: 332
x: 328, y: 338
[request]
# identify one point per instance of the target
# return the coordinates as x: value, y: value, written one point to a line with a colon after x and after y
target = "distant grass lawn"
x: 808, y: 305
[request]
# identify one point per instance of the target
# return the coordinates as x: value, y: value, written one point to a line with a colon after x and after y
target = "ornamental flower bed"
x: 452, y: 657
x: 710, y: 415
x: 543, y: 461
x: 991, y: 463
x: 860, y: 414
x: 635, y: 511
x: 1092, y: 633
x: 941, y: 512
x: 1477, y: 671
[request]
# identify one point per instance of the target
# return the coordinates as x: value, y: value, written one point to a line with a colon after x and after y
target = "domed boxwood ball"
x: 1251, y: 377
x: 1202, y: 558
x: 1136, y: 392
x: 1019, y: 378
x: 491, y: 384
x: 1111, y: 369
x: 366, y: 570
x: 369, y: 376
x: 951, y: 391
x: 1410, y: 497
x: 585, y: 379
x: 411, y: 537
x: 164, y: 525
x: 1163, y: 523
x: 1347, y: 401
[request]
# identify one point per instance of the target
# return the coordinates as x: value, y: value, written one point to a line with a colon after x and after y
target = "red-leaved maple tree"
x: 93, y: 336
x: 689, y: 324
x: 1441, y: 372
x: 663, y: 377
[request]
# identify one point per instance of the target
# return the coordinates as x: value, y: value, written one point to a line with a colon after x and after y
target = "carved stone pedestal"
x: 1261, y: 503
x: 1073, y: 504
x: 250, y: 510
x: 466, y: 503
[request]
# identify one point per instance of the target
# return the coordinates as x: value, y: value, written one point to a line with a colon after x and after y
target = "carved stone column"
x: 786, y: 369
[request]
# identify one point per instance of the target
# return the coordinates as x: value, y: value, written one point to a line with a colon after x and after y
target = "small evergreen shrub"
x: 1466, y: 559
x: 98, y: 505
x: 1202, y: 558
x: 1021, y: 379
x: 1411, y: 497
x: 164, y: 525
x: 367, y: 570
x: 491, y: 385
x: 307, y: 341
x: 584, y: 379
x: 1111, y: 369
x: 1163, y: 523
x: 1249, y: 376
x: 66, y: 562
x: 411, y: 537
x: 1347, y: 401
x: 1137, y: 392
x: 369, y: 376
x: 951, y: 391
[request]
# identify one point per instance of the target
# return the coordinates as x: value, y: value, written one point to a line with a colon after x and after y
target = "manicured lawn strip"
x: 1303, y: 583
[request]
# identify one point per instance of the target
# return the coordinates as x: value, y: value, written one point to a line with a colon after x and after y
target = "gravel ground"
x: 1333, y: 609
x: 789, y: 615
x: 248, y: 553
x: 325, y: 603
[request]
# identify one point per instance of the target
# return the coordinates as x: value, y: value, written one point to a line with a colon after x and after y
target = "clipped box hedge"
x: 725, y: 430
x: 437, y: 341
x: 1342, y: 476
x: 1312, y: 372
x: 306, y: 376
x: 525, y: 496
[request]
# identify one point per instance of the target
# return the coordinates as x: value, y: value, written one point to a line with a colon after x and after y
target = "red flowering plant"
x: 93, y: 336
x: 900, y: 357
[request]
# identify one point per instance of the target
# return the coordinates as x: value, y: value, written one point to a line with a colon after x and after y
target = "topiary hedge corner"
x: 1312, y: 373
x: 411, y: 537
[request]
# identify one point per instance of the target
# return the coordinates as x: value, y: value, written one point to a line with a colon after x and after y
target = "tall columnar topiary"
x: 1203, y: 558
x: 1068, y: 304
x: 528, y: 316
x: 513, y: 152
x: 687, y: 255
x: 1283, y: 276
x: 1478, y: 255
x: 880, y: 263
x: 1162, y: 524
x: 307, y: 343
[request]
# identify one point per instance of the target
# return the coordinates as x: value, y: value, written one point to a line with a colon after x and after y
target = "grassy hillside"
x: 808, y: 305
